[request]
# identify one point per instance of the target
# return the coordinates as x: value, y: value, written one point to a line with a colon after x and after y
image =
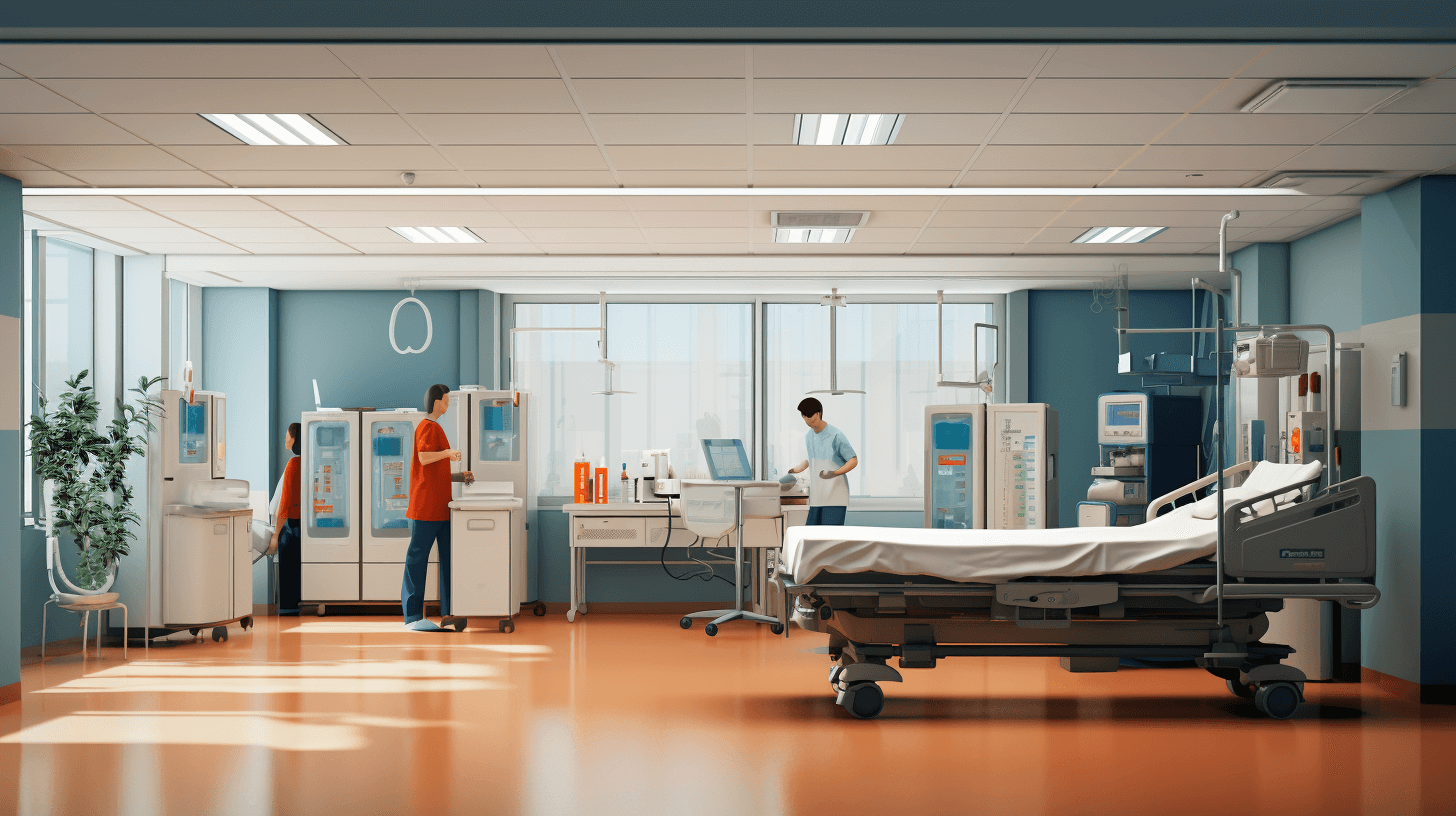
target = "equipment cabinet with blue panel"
x: 1148, y: 445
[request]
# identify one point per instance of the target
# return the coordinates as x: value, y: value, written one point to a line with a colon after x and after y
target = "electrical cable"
x: 707, y: 574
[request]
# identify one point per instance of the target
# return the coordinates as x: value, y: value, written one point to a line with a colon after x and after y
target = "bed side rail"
x: 1193, y: 487
x: 1329, y: 536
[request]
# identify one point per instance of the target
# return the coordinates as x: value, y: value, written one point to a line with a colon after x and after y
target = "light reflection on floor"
x: 629, y: 714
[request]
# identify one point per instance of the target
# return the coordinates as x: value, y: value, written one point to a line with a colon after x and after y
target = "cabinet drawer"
x: 330, y: 582
x: 385, y: 582
x: 609, y: 532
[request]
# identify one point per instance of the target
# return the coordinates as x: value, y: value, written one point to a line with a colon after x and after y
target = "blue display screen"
x: 954, y: 436
x: 1124, y: 413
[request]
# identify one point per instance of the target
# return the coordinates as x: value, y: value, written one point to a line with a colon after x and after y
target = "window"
x: 689, y: 364
x: 59, y: 338
x: 885, y: 349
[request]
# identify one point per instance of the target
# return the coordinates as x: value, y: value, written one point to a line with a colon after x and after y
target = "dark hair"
x: 433, y: 395
x: 296, y: 430
x: 810, y: 406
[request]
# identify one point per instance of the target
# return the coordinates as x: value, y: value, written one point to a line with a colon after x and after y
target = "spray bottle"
x: 581, y: 480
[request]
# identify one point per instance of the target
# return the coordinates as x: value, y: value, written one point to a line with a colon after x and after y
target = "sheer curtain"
x: 689, y: 364
x: 886, y: 349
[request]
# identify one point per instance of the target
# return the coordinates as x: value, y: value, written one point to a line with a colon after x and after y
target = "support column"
x: 12, y: 300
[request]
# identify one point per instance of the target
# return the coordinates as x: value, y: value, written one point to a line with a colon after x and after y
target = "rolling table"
x: 721, y: 616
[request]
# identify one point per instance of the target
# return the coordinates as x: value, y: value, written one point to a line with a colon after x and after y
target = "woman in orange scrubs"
x: 286, y: 540
x: 429, y: 512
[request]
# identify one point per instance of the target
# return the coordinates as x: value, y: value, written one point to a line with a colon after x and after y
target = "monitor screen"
x: 727, y: 460
x: 1124, y: 414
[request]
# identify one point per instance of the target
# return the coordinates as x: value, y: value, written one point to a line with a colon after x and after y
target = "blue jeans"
x: 424, y: 534
x: 290, y: 566
x: 826, y: 515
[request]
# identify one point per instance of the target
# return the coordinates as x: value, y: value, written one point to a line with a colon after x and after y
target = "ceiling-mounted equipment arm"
x: 834, y: 301
x: 601, y: 331
x: 940, y: 380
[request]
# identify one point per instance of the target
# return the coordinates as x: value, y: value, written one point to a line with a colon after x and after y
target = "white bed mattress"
x: 989, y: 556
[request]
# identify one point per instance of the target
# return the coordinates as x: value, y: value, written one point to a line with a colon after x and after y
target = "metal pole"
x: 1218, y: 455
x: 833, y: 334
x: 939, y: 339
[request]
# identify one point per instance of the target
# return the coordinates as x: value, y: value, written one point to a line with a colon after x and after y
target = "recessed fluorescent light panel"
x: 273, y: 128
x: 1117, y: 235
x: 812, y: 236
x: 1328, y: 95
x: 846, y: 128
x: 438, y: 235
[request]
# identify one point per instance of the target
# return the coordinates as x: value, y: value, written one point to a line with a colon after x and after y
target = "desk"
x: 646, y: 525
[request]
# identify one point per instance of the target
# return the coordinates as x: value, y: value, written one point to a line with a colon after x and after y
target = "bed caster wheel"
x: 570, y: 615
x: 194, y: 631
x: 711, y: 629
x: 219, y: 633
x: 776, y: 628
x: 539, y: 610
x: 1240, y: 689
x: 507, y: 626
x: 583, y: 609
x: 825, y: 613
x: 686, y: 622
x: 864, y: 701
x: 1277, y: 700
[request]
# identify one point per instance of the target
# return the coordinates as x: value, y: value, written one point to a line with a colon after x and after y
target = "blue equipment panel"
x: 328, y: 491
x: 191, y: 433
x: 391, y: 443
x: 951, y: 454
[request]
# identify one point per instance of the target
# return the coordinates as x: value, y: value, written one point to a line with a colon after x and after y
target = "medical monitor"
x: 1122, y: 418
x: 727, y: 460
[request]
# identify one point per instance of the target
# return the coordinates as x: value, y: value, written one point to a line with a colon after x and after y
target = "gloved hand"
x: 787, y: 478
x: 827, y: 474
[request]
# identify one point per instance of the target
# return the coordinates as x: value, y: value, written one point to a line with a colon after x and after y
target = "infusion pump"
x: 1122, y: 419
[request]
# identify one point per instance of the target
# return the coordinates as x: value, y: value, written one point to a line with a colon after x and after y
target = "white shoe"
x: 423, y: 625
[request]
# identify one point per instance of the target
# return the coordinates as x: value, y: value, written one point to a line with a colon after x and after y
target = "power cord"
x: 706, y: 574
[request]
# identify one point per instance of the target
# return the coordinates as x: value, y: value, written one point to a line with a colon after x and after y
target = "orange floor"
x: 629, y: 714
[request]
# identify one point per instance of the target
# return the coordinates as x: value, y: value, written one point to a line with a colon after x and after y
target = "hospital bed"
x: 1091, y: 595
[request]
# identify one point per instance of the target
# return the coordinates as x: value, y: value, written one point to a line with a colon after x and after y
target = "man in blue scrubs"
x: 830, y: 457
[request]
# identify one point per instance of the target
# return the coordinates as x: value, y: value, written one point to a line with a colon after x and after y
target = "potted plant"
x: 84, y: 471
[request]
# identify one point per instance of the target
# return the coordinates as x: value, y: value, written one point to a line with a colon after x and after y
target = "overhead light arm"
x: 834, y: 301
x: 601, y: 331
x: 940, y: 380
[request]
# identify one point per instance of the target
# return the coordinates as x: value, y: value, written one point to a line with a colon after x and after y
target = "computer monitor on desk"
x: 727, y: 460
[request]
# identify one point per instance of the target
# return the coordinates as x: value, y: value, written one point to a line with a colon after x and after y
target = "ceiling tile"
x: 46, y: 204
x: 679, y: 157
x: 13, y: 161
x: 1310, y: 218
x: 512, y: 204
x: 130, y: 235
x: 1262, y: 128
x: 100, y: 157
x: 447, y: 60
x: 1082, y: 128
x: 1373, y: 157
x: 1032, y: 178
x: 690, y: 235
x: 944, y: 128
x: 673, y: 203
x: 978, y: 235
x: 572, y: 248
x: 339, y: 178
x: 1083, y: 219
x: 683, y: 178
x: 1179, y: 178
x: 1340, y: 202
x: 1128, y: 60
x: 571, y: 219
x: 221, y: 95
x: 1013, y: 203
x: 525, y: 157
x: 1194, y: 158
x: 662, y: 95
x: 1399, y: 129
x: 173, y: 128
x: 406, y: 248
x: 667, y: 129
x: 209, y: 248
x: 183, y: 61
x: 879, y: 217
x: 475, y: 95
x: 185, y: 203
x: 701, y: 249
x: 542, y: 178
x: 313, y: 158
x: 721, y: 219
x: 771, y: 128
x: 1220, y: 204
x: 853, y: 178
x: 403, y: 203
x: 61, y: 129
x: 103, y: 219
x: 1058, y: 235
x: 1114, y: 95
x: 1232, y: 97
x: 1354, y: 60
x: 371, y: 128
x: 654, y: 60
x: 886, y: 235
x: 1053, y: 248
x: 297, y: 234
x: 381, y: 219
x: 6, y: 73
x: 883, y: 95
x: 906, y: 60
x: 25, y: 96
x: 583, y: 235
x: 255, y: 219
x: 1438, y: 96
x: 845, y: 202
x: 319, y: 248
x: 381, y: 235
x: 857, y: 157
x: 1054, y: 157
x: 927, y: 248
x: 502, y: 128
x: 768, y: 247
x: 992, y: 218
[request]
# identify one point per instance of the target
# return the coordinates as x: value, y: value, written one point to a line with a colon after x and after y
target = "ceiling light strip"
x: 648, y: 192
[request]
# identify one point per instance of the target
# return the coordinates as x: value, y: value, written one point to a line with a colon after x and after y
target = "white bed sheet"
x: 989, y: 556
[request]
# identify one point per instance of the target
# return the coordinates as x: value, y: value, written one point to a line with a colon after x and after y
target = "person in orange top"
x: 286, y: 541
x: 429, y: 512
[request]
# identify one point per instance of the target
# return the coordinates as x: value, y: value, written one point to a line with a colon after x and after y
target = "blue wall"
x: 12, y: 300
x: 1325, y: 277
x: 1072, y: 358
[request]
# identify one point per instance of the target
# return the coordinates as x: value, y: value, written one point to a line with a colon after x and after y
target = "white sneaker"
x: 423, y: 625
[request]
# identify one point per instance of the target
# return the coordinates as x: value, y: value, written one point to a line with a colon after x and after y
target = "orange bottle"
x: 601, y: 485
x: 581, y: 479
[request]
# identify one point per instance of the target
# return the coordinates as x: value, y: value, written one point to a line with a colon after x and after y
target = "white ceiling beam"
x: 755, y: 192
